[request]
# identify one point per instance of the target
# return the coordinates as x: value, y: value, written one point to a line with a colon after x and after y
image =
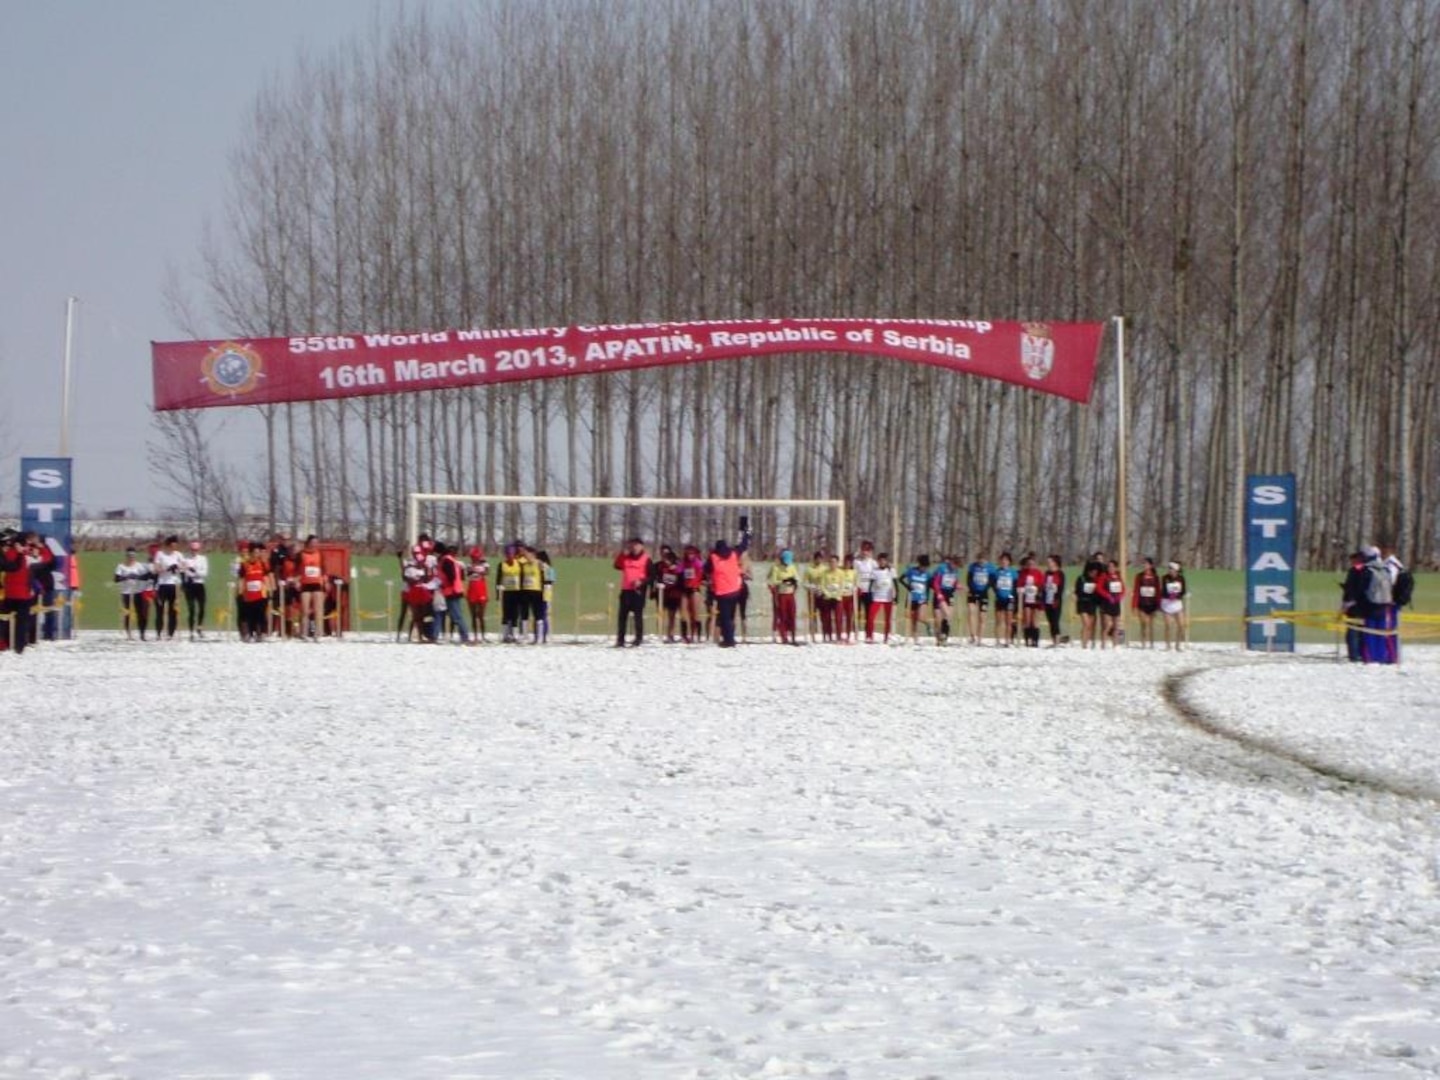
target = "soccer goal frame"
x: 415, y: 498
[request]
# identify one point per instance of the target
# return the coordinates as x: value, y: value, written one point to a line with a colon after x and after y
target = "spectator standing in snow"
x: 1395, y: 568
x: 1380, y: 620
x: 1354, y: 607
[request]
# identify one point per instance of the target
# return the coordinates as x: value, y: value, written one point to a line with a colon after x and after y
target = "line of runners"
x: 702, y: 596
x: 855, y: 594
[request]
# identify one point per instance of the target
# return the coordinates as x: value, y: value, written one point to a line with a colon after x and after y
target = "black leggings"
x: 632, y: 602
x: 195, y: 604
x: 167, y: 617
x: 254, y: 615
x: 18, y: 627
x: 135, y: 604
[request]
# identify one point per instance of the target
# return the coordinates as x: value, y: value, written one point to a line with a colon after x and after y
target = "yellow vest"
x: 510, y: 574
x: 532, y: 576
x: 785, y: 579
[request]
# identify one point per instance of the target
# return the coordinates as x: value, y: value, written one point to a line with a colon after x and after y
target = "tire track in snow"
x: 1174, y: 691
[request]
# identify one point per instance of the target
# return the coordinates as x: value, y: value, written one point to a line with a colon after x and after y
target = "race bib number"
x: 1147, y: 591
x: 1031, y: 593
x: 312, y: 573
x: 1115, y: 587
x: 1088, y: 587
x: 252, y: 587
x: 1173, y: 588
x: 980, y: 581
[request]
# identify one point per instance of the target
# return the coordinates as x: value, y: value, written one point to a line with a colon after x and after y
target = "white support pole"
x: 1122, y: 518
x: 70, y: 303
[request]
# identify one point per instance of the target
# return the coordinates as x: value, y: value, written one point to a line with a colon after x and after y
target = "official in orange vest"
x: 727, y: 581
x: 634, y: 566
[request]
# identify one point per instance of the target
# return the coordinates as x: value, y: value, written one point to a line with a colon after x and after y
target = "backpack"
x: 1403, y: 591
x: 1377, y: 586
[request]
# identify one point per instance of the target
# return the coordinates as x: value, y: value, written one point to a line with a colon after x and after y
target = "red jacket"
x: 1146, y: 579
x: 1110, y: 587
x: 19, y: 572
x: 1030, y: 585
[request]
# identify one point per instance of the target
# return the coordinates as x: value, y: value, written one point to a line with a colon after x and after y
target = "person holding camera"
x: 22, y: 557
x: 634, y: 566
x: 727, y: 580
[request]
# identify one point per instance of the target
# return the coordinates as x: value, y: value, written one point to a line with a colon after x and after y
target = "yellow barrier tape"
x: 1411, y: 625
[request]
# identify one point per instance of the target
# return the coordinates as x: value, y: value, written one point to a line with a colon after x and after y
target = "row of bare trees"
x: 1253, y: 184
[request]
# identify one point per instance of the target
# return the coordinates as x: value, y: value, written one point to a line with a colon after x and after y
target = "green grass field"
x: 585, y: 598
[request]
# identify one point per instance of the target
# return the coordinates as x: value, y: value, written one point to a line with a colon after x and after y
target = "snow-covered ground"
x: 368, y: 861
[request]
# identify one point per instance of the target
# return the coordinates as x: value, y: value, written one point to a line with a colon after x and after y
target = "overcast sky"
x: 117, y: 118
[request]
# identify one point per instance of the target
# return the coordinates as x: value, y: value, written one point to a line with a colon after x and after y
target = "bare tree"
x: 1251, y: 184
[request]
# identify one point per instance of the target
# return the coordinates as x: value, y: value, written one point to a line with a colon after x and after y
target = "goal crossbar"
x: 415, y: 498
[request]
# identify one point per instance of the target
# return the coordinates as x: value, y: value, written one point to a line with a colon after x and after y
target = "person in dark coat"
x: 1354, y: 607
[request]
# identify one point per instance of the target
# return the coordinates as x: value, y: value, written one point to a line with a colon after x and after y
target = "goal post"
x: 417, y: 498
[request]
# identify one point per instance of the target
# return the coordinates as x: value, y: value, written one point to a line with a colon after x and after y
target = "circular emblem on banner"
x: 1037, y: 350
x: 231, y: 369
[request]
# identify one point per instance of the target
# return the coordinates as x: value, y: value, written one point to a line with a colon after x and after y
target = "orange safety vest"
x: 634, y: 570
x: 725, y: 574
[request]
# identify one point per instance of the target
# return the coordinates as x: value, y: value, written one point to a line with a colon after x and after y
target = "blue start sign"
x: 1269, y: 560
x: 45, y: 509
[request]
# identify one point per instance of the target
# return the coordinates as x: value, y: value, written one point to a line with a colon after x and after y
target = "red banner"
x: 1052, y: 357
